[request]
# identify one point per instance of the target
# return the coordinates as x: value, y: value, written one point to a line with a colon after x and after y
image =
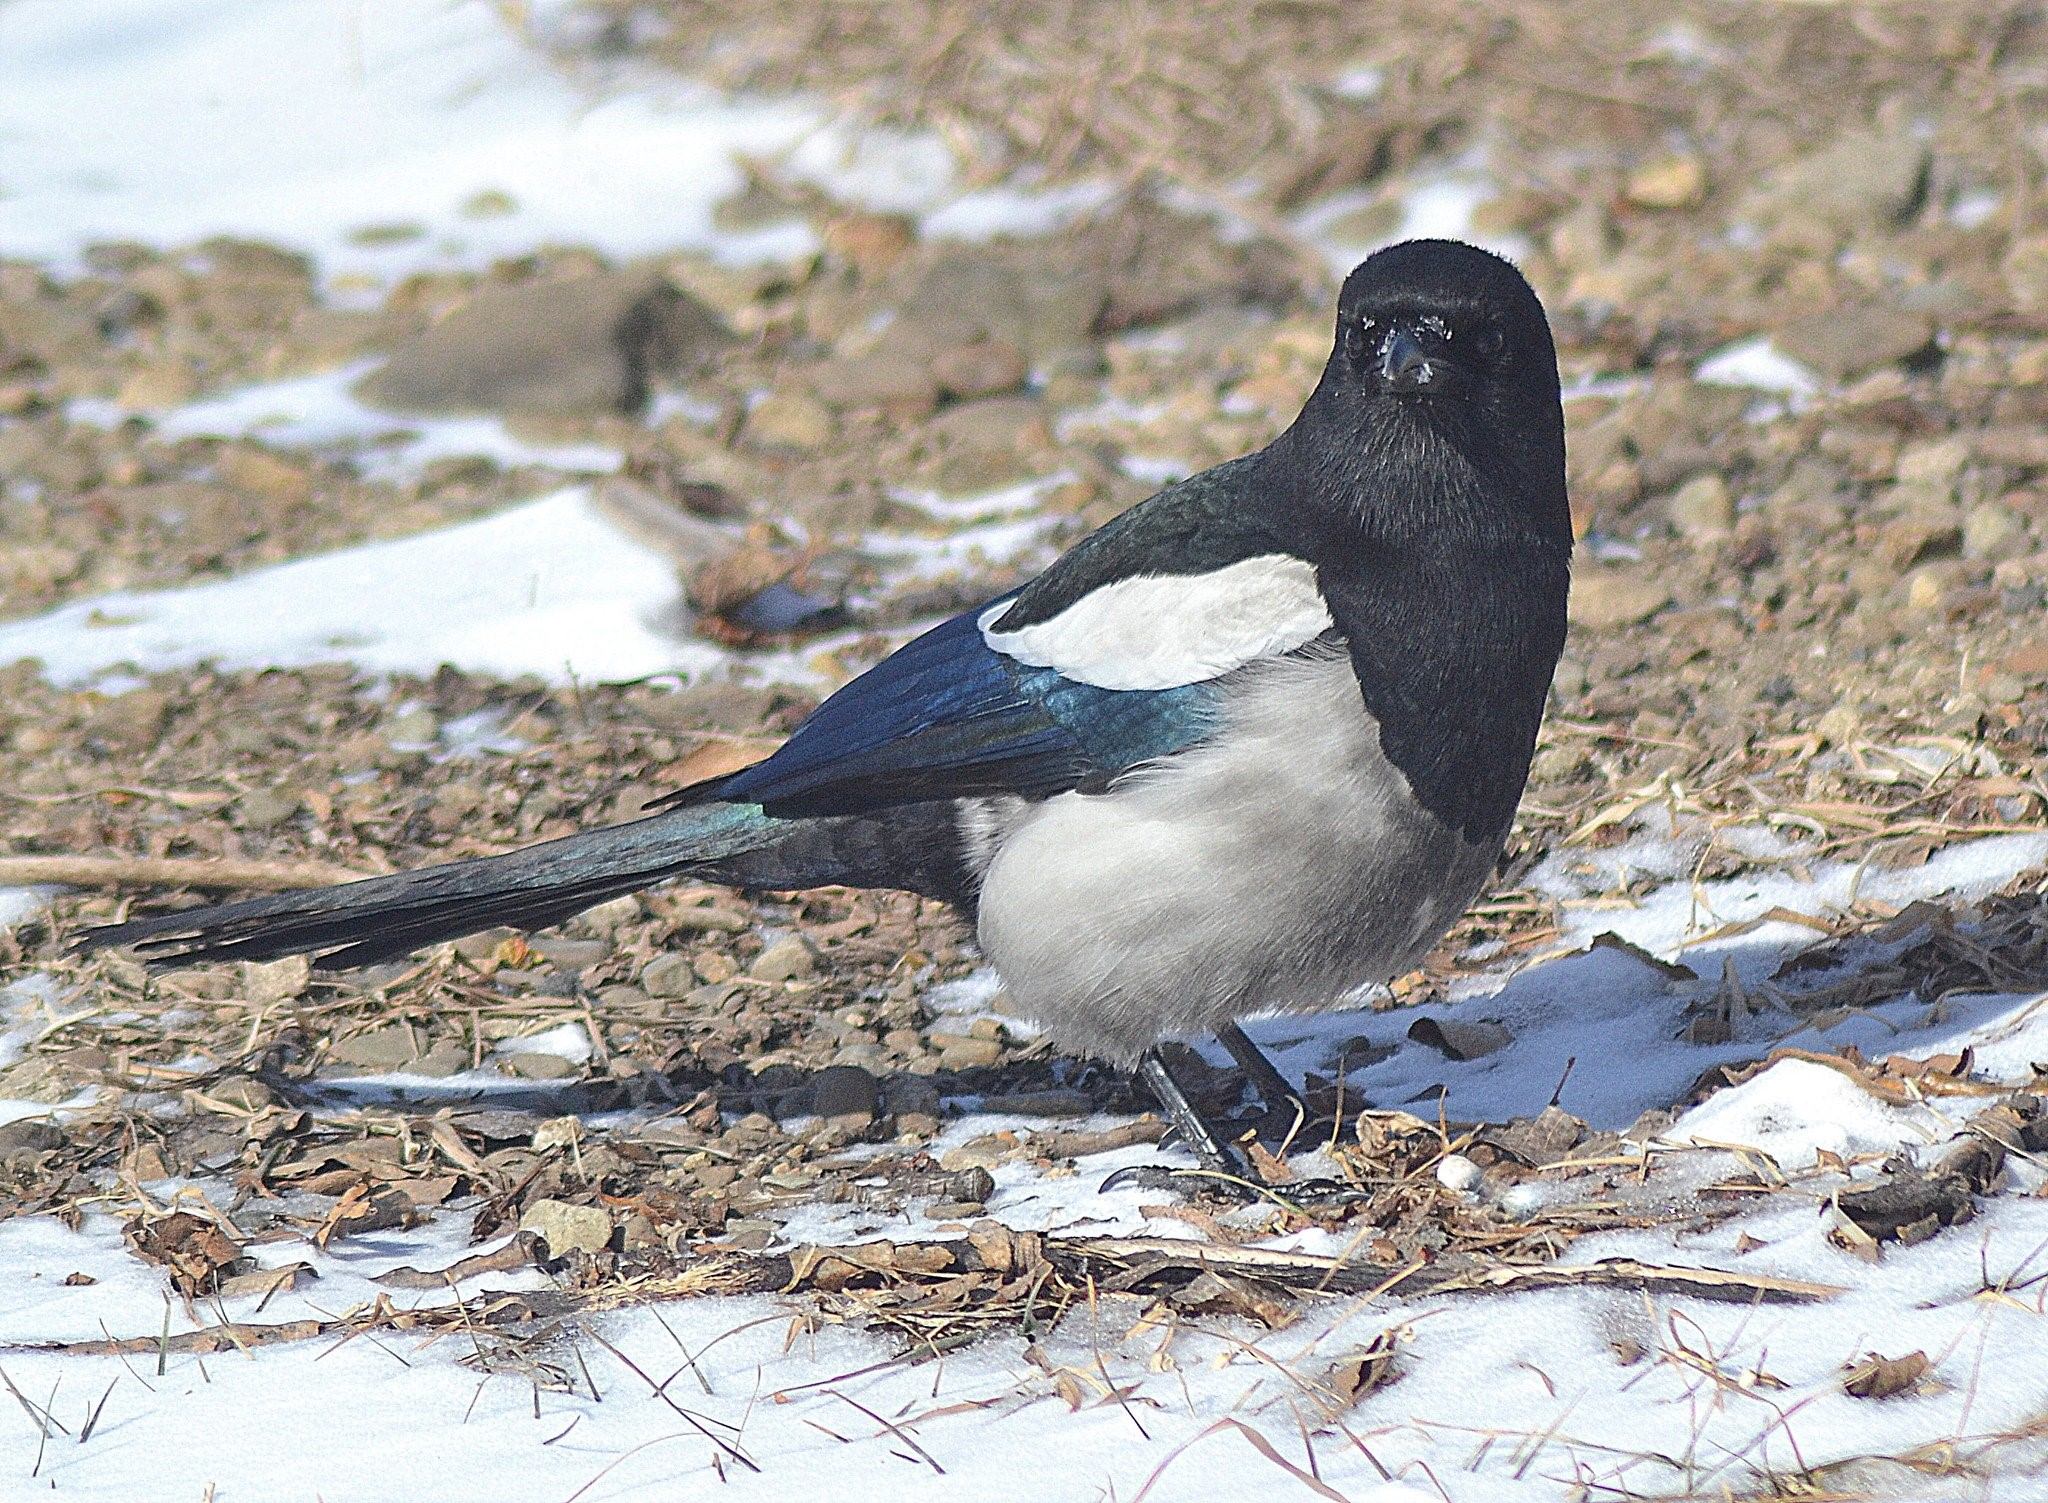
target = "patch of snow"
x: 321, y: 413
x: 1757, y: 364
x: 308, y: 122
x: 568, y: 1041
x: 548, y: 588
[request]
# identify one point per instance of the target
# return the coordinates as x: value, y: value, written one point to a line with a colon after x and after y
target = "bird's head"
x: 1442, y: 346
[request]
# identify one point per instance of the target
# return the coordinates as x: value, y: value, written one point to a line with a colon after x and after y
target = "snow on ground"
x: 1584, y: 1392
x: 434, y: 117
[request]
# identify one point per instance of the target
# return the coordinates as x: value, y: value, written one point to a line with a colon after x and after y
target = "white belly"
x: 1278, y: 868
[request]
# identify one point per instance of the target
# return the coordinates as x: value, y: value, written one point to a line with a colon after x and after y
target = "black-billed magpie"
x: 1251, y: 746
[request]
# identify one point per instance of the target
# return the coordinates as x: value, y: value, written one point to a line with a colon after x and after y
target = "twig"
x: 206, y: 874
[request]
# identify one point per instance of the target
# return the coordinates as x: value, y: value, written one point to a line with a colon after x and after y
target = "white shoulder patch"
x: 1159, y: 631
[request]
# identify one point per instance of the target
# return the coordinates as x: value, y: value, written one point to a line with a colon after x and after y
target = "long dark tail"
x: 360, y: 923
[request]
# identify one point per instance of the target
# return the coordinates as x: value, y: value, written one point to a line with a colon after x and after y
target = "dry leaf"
x: 1876, y: 1377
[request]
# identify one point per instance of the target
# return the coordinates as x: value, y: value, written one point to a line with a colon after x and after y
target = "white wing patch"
x: 1159, y: 631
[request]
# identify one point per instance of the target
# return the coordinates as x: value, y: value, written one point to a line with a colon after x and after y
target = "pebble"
x: 1605, y: 599
x: 567, y: 1228
x: 788, y: 959
x: 388, y: 1048
x: 986, y: 368
x: 791, y: 420
x: 846, y: 1096
x: 959, y: 1052
x: 1844, y: 343
x: 1673, y: 182
x: 559, y: 347
x: 265, y: 808
x: 1702, y: 509
x: 668, y: 975
x: 1991, y: 532
x: 537, y: 1066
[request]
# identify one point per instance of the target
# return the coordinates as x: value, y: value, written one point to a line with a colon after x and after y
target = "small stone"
x: 567, y: 1228
x: 565, y: 347
x: 870, y: 242
x: 980, y: 1154
x: 412, y: 729
x: 265, y: 808
x: 28, y: 1135
x: 380, y: 1049
x: 1991, y: 532
x: 609, y: 918
x: 895, y: 382
x: 1456, y: 1172
x: 272, y: 981
x: 846, y: 1096
x: 957, y: 1052
x: 1606, y: 599
x: 443, y: 1058
x: 1702, y: 508
x: 1674, y: 182
x: 1845, y: 343
x: 242, y: 1092
x: 714, y: 966
x: 668, y: 976
x: 954, y: 1210
x: 786, y: 960
x: 533, y: 1065
x: 251, y: 469
x: 1931, y: 586
x: 986, y: 368
x: 161, y: 383
x: 791, y: 420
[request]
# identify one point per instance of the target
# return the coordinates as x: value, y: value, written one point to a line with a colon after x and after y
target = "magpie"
x: 1250, y: 747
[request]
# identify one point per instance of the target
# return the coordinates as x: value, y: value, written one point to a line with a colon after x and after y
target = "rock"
x: 846, y: 1096
x: 2025, y: 269
x: 895, y: 381
x: 1862, y: 179
x: 242, y: 1092
x: 265, y: 808
x: 1674, y: 182
x: 391, y: 1047
x: 986, y: 368
x: 958, y: 1052
x: 268, y: 982
x: 1844, y: 343
x: 160, y: 383
x: 1935, y: 586
x: 668, y: 976
x: 609, y: 918
x: 791, y: 420
x: 1993, y: 533
x: 573, y: 347
x: 534, y: 1065
x: 981, y: 445
x: 251, y: 469
x: 567, y: 1228
x: 786, y: 960
x: 27, y: 1135
x: 1702, y: 509
x: 714, y: 966
x: 1607, y: 598
x: 870, y: 242
x: 443, y: 1058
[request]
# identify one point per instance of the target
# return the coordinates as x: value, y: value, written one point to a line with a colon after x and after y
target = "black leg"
x: 1281, y: 1099
x: 1216, y: 1154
